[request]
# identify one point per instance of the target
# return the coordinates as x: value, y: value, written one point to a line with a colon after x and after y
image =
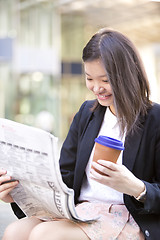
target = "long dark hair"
x: 125, y: 73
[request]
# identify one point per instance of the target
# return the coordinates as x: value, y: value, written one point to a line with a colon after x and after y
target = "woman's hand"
x: 117, y: 177
x: 5, y: 188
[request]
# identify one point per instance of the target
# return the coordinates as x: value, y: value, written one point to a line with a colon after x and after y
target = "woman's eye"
x: 106, y: 81
x: 89, y: 79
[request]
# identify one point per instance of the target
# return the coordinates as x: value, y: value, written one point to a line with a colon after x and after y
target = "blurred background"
x: 41, y: 41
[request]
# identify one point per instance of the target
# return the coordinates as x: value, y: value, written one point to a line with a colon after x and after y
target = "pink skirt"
x: 114, y: 222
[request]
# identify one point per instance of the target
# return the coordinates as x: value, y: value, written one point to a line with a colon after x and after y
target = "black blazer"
x: 141, y: 156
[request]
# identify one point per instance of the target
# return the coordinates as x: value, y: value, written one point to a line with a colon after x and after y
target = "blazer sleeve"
x: 17, y: 211
x: 152, y: 202
x: 69, y: 150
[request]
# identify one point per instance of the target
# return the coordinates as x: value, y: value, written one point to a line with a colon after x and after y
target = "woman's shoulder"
x: 88, y: 104
x: 155, y: 110
x: 153, y: 116
x: 86, y: 107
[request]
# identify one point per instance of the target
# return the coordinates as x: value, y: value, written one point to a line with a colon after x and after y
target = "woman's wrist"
x: 142, y: 196
x: 139, y: 189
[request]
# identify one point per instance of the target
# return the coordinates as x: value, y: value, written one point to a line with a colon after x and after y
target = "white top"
x: 91, y: 190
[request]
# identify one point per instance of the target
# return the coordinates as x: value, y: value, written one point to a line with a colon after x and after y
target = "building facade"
x: 41, y: 41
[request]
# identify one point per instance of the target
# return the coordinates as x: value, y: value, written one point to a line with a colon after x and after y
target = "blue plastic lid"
x: 110, y: 142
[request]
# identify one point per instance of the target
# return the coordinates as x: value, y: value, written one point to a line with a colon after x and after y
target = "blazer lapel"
x: 132, y: 144
x: 87, y: 141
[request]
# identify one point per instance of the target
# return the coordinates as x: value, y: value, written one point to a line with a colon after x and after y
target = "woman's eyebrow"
x: 101, y: 76
x: 87, y: 74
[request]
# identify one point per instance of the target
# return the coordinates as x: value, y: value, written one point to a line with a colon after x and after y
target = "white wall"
x: 148, y: 55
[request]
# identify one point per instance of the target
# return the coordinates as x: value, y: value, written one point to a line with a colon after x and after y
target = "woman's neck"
x: 112, y: 109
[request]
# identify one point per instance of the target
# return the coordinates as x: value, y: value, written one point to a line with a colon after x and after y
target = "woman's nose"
x: 97, y: 89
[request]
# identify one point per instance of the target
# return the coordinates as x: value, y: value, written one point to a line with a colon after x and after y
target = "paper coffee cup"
x: 107, y: 148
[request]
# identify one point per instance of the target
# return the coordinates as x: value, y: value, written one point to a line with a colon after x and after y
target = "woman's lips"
x: 103, y: 96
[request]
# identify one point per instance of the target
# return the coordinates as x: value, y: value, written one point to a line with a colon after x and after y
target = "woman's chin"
x: 104, y: 103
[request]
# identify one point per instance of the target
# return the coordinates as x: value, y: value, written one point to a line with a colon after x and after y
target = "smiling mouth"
x: 103, y: 97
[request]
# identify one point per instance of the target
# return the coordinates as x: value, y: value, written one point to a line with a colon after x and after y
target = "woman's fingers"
x: 4, y: 196
x: 5, y: 189
x: 100, y: 176
x: 7, y: 184
x: 2, y: 172
x: 108, y: 164
x: 4, y: 178
x: 104, y: 167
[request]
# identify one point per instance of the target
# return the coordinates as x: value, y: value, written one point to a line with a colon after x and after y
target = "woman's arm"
x: 69, y: 150
x: 121, y: 179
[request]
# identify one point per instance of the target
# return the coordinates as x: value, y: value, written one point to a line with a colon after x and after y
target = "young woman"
x: 126, y: 194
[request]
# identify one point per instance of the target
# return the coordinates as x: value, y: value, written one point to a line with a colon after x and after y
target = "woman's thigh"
x: 58, y: 230
x: 20, y: 229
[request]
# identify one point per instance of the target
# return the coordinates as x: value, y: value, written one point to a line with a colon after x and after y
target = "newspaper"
x: 31, y: 156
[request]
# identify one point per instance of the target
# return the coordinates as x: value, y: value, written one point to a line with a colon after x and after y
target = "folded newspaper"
x: 30, y: 155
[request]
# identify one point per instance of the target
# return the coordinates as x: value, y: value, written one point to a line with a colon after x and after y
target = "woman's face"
x: 96, y: 81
